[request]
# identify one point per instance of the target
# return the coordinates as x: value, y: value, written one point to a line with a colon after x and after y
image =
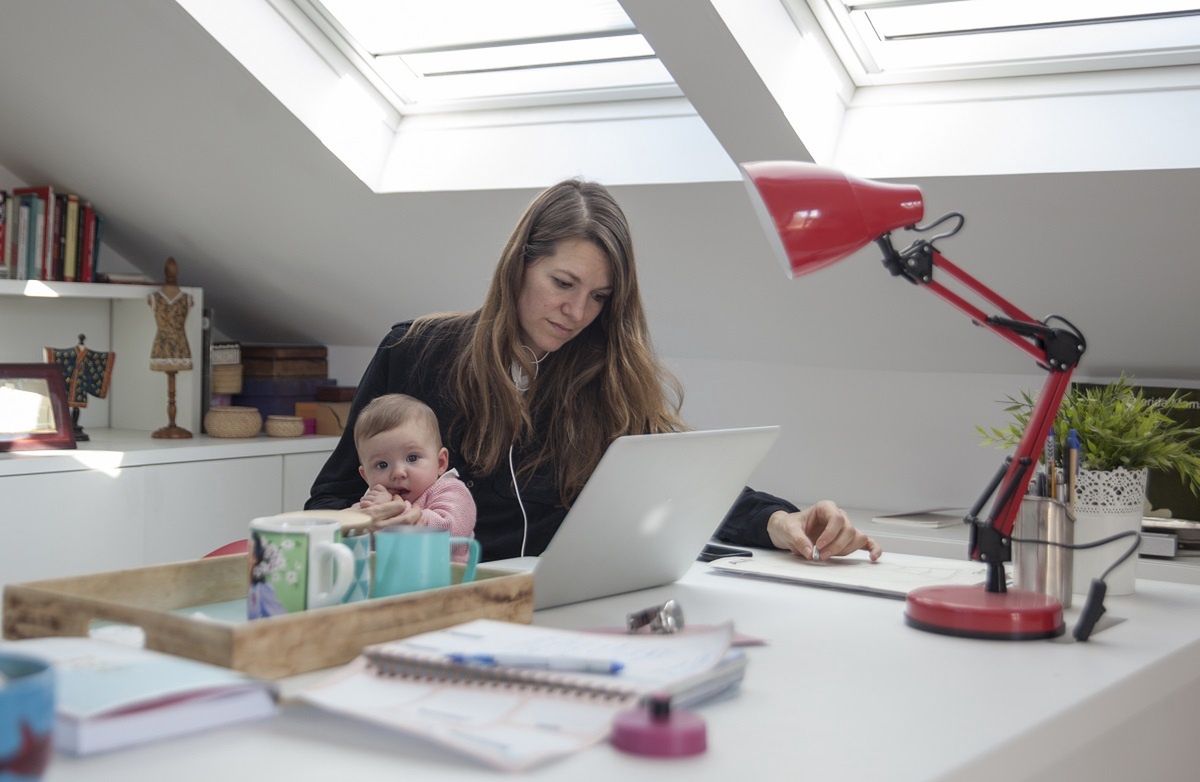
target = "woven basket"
x: 284, y: 426
x: 227, y: 379
x: 232, y: 421
x: 225, y: 353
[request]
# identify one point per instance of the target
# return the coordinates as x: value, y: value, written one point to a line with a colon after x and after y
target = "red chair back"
x: 236, y: 547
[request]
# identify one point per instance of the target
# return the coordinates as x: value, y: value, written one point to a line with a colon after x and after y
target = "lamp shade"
x: 821, y: 215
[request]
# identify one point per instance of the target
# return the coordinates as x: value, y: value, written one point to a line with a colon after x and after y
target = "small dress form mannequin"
x: 170, y: 352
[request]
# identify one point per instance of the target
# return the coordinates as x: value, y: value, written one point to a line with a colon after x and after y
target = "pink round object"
x: 657, y: 731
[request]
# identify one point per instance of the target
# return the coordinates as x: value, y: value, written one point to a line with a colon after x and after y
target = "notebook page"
x: 508, y: 728
x: 515, y: 726
x: 649, y: 662
x: 894, y: 575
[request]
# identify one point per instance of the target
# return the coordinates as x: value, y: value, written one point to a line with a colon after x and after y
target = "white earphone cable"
x: 525, y: 530
x: 522, y: 383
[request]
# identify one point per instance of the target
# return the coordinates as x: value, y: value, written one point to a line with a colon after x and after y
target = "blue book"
x: 111, y: 695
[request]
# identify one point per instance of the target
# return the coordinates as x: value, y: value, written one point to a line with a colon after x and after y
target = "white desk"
x: 844, y: 690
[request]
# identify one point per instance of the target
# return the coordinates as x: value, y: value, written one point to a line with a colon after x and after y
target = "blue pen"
x: 577, y: 664
x: 1074, y: 444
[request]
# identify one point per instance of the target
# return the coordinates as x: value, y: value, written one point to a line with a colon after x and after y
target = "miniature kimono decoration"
x: 86, y: 372
x: 170, y: 352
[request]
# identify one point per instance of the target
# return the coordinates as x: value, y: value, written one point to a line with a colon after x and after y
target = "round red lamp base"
x: 973, y: 612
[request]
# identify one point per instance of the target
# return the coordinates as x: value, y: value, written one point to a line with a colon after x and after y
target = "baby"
x: 401, y: 457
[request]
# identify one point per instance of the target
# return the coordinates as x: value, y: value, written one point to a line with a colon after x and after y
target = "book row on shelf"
x: 49, y: 236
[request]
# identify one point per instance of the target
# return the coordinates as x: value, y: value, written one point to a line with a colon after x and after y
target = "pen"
x: 579, y: 664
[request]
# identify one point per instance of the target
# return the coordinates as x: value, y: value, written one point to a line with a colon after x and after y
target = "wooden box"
x: 286, y: 367
x: 284, y: 351
x: 270, y: 648
x: 336, y: 393
x: 285, y: 361
x: 330, y: 416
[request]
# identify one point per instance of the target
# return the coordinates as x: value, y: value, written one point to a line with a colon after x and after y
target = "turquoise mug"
x: 26, y: 716
x: 360, y: 585
x: 410, y: 558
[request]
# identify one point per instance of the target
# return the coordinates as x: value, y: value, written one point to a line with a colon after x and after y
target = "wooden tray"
x: 269, y: 648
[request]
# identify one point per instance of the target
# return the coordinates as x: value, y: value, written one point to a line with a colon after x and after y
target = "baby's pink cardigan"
x: 447, y: 504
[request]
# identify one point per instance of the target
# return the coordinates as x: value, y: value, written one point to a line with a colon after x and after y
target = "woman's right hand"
x: 391, y: 513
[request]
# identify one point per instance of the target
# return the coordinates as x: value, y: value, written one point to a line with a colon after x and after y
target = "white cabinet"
x: 125, y: 500
x: 191, y: 508
x: 55, y: 524
x: 35, y: 314
x: 299, y: 469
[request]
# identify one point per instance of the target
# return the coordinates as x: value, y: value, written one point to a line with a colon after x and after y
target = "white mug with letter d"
x: 297, y: 562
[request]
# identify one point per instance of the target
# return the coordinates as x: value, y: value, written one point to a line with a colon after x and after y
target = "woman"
x: 531, y: 388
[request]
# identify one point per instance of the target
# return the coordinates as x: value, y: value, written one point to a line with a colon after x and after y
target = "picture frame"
x: 33, y: 408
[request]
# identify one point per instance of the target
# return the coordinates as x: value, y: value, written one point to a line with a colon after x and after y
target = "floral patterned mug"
x: 297, y: 562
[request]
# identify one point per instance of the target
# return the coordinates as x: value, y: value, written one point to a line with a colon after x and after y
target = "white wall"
x: 884, y: 440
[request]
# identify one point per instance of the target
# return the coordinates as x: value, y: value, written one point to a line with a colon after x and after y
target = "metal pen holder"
x: 1036, y: 566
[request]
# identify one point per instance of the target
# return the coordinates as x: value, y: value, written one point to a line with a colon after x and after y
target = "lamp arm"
x: 991, y: 538
x: 1057, y: 350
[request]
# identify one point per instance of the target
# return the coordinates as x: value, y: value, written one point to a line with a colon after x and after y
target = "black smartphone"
x: 713, y: 551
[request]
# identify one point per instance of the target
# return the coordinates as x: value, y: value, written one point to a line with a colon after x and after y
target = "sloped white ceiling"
x: 132, y: 104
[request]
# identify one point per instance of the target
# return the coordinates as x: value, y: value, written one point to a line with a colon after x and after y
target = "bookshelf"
x: 124, y: 499
x: 34, y: 314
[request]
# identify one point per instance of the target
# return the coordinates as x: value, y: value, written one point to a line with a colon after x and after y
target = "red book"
x: 86, y: 269
x: 45, y: 227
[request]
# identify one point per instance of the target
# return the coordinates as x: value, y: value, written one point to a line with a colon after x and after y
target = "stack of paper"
x: 930, y: 518
x: 111, y: 696
x: 894, y: 575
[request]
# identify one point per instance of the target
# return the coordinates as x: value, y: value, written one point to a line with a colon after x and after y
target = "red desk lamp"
x: 816, y: 216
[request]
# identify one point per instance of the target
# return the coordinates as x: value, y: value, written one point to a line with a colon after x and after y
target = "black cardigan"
x: 498, y: 527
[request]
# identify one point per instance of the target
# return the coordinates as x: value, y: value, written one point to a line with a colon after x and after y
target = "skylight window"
x: 896, y: 41
x: 440, y: 55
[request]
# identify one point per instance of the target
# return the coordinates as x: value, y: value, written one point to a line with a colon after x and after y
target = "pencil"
x: 1051, y: 467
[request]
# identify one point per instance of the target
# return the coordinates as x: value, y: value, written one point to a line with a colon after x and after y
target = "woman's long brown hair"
x: 604, y: 383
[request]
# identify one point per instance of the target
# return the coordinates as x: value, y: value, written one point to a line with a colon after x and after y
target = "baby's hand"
x: 376, y: 495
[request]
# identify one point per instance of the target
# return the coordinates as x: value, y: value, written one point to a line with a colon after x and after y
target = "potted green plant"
x: 1119, y: 428
x: 1123, y: 435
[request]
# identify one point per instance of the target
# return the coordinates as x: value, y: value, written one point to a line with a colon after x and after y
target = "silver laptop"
x: 647, y: 510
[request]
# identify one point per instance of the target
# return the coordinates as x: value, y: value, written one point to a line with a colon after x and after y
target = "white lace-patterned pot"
x: 1107, y: 502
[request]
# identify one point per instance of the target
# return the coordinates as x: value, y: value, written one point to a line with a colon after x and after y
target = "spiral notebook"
x: 516, y: 717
